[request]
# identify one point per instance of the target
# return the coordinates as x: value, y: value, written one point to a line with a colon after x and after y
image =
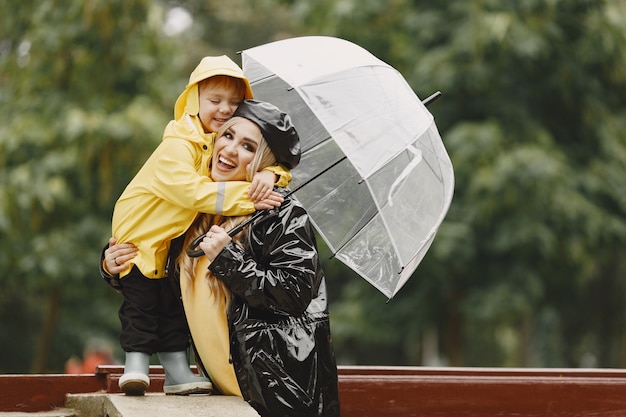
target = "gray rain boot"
x: 179, y: 379
x: 135, y: 380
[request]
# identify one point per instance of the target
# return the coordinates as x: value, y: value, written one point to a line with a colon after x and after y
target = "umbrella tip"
x: 431, y: 98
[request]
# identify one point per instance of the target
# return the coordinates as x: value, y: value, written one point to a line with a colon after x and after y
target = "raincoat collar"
x: 190, y: 129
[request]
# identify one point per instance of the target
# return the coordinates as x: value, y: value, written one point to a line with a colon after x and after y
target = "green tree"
x: 85, y: 92
x: 525, y: 270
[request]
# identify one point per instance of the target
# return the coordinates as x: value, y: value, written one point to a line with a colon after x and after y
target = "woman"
x: 256, y: 304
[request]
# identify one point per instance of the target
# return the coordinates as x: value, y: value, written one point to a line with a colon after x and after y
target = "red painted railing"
x: 390, y: 391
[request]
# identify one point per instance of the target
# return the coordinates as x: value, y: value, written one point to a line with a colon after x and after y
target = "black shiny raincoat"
x: 279, y: 326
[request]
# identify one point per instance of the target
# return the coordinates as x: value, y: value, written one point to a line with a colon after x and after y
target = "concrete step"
x: 158, y: 405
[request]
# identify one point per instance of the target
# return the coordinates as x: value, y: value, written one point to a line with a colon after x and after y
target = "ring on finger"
x: 115, y: 260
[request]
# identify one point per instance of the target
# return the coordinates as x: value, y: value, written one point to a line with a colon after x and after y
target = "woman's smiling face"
x: 234, y: 151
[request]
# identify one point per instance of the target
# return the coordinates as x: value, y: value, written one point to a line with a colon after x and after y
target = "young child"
x: 158, y: 206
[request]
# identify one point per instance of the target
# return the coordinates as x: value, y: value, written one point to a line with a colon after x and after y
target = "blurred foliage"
x: 526, y: 270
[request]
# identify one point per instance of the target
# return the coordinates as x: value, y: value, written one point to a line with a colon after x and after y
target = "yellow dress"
x: 209, y: 329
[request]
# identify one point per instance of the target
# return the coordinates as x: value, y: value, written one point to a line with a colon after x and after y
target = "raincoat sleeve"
x: 284, y: 175
x: 280, y: 273
x: 177, y: 180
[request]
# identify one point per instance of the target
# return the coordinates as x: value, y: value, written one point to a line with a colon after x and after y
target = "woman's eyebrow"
x: 251, y: 141
x: 233, y: 131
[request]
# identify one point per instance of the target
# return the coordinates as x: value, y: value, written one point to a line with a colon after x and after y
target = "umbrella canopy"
x: 391, y: 183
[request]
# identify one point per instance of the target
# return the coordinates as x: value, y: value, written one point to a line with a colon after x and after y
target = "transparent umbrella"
x: 382, y: 181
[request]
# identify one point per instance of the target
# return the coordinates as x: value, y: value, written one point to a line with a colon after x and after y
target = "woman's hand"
x: 116, y: 257
x: 214, y: 241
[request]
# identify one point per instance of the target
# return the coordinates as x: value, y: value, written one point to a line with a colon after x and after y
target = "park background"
x: 528, y: 268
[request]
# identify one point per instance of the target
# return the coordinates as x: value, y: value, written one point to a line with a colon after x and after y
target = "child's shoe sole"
x: 134, y: 383
x: 188, y: 388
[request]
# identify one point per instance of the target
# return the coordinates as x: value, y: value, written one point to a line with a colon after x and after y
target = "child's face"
x: 218, y: 102
x: 234, y: 151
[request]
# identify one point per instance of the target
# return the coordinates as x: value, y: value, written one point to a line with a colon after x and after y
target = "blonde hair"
x: 263, y: 158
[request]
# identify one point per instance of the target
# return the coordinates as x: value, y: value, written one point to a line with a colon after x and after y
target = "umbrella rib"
x: 267, y: 77
x: 349, y: 240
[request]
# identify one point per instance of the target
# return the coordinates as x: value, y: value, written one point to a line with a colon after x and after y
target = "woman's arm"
x: 281, y: 272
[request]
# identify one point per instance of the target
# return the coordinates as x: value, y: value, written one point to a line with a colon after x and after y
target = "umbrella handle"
x: 191, y: 249
x: 256, y: 218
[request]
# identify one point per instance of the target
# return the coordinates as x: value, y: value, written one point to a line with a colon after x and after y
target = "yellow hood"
x: 210, y: 66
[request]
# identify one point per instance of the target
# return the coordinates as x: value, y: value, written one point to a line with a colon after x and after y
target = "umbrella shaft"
x: 260, y: 214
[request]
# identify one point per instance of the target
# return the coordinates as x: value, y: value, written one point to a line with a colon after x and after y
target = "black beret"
x: 277, y: 129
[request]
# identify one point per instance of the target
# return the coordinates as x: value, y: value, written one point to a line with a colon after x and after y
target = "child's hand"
x: 262, y: 186
x: 274, y: 200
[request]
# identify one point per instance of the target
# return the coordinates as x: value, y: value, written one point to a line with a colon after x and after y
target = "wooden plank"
x: 423, y: 391
x: 390, y: 391
x: 466, y: 371
x: 438, y: 395
x: 29, y: 393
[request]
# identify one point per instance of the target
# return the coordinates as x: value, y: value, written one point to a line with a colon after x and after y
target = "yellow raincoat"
x: 173, y: 186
